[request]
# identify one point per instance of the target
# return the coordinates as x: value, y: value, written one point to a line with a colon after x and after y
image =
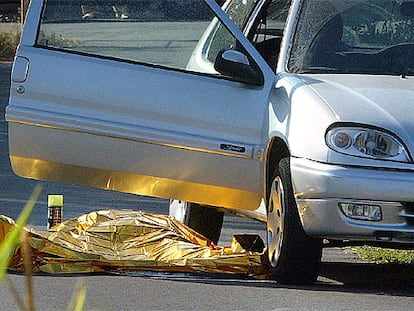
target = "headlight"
x: 365, y: 142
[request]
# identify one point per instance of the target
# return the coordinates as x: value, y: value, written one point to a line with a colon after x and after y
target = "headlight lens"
x: 370, y: 143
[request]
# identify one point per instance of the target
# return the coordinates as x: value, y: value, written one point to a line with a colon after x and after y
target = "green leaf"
x: 12, y: 239
x: 78, y: 300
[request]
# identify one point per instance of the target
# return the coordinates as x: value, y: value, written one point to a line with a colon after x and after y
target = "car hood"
x: 382, y: 101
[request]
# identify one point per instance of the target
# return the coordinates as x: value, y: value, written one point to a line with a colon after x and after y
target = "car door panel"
x: 141, y: 128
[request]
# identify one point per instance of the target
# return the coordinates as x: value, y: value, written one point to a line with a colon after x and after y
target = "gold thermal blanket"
x: 127, y: 240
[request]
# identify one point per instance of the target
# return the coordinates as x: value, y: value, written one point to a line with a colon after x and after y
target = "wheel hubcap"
x: 275, y: 221
x: 178, y: 209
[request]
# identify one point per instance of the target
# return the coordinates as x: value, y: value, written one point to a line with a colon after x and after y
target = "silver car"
x: 299, y: 113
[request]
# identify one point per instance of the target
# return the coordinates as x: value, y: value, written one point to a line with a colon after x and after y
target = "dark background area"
x: 10, y: 11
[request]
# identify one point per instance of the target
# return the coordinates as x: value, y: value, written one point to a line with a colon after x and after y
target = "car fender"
x: 299, y: 117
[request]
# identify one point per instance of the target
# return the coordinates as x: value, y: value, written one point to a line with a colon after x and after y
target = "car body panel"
x: 323, y: 186
x: 382, y: 101
x: 138, y: 114
x: 376, y: 101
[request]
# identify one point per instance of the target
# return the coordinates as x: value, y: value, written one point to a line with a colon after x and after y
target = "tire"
x: 205, y: 220
x: 294, y: 257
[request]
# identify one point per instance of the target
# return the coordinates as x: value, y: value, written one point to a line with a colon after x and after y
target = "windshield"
x: 354, y: 36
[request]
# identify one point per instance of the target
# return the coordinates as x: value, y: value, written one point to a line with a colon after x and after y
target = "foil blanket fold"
x: 128, y: 240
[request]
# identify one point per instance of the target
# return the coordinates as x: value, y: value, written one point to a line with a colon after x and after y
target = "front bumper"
x: 319, y: 188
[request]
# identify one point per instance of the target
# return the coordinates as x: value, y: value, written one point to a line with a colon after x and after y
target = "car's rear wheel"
x: 205, y: 220
x: 294, y: 257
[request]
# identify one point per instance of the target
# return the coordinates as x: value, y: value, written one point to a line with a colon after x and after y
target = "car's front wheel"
x: 205, y: 220
x: 294, y: 257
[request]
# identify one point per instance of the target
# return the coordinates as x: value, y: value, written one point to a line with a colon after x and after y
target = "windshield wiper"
x: 318, y: 69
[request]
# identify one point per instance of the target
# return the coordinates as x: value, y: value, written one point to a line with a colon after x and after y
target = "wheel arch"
x: 277, y: 149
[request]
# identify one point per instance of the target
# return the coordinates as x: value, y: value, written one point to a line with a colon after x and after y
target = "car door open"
x: 104, y: 96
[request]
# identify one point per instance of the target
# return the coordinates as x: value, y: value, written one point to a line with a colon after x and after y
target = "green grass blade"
x: 78, y: 300
x: 12, y: 239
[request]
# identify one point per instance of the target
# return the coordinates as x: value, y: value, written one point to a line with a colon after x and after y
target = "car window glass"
x: 239, y: 12
x: 268, y: 32
x: 156, y: 32
x: 273, y: 20
x: 358, y: 36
